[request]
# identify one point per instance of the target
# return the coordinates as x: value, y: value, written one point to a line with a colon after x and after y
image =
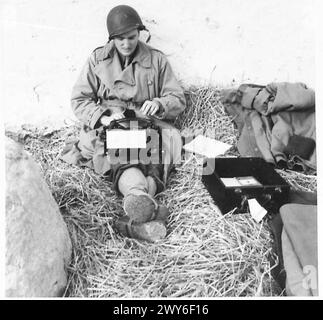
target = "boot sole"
x: 139, y: 208
x: 151, y: 231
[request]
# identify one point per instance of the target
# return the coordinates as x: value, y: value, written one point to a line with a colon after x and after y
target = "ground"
x: 205, y: 253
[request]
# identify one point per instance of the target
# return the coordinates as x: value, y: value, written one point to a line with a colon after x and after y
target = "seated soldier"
x: 126, y: 77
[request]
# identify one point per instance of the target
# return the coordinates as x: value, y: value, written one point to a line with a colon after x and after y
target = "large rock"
x: 38, y: 246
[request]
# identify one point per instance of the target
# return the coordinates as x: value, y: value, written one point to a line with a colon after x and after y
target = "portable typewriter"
x: 132, y: 137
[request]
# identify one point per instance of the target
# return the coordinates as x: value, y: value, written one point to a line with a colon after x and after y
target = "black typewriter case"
x: 271, y: 193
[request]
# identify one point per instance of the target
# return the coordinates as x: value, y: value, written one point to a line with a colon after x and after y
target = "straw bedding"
x: 205, y: 253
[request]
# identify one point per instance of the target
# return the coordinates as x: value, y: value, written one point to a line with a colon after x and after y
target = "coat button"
x: 149, y: 82
x: 256, y: 149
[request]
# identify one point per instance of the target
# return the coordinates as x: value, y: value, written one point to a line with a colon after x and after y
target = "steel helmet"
x: 122, y: 19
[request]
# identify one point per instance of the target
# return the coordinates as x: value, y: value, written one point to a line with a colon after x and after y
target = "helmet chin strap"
x: 149, y: 35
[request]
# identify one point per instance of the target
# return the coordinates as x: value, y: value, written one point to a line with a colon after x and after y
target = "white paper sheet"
x: 126, y: 139
x: 256, y: 210
x: 206, y: 146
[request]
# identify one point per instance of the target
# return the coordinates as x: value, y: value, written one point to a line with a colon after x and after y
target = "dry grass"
x: 205, y: 253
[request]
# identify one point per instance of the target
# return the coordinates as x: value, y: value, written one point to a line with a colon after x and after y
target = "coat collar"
x: 142, y: 56
x: 109, y: 69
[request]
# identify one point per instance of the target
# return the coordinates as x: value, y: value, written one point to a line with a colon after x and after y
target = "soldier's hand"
x: 105, y: 120
x: 149, y: 108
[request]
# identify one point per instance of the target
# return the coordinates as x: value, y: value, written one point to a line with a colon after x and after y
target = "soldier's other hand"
x: 105, y: 120
x: 149, y: 108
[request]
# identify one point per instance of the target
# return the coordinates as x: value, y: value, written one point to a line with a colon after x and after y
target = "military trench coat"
x: 104, y: 87
x: 276, y: 122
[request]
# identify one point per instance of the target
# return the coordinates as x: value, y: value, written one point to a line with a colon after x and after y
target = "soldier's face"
x: 127, y: 42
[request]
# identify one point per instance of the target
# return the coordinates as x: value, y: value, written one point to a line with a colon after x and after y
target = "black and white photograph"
x: 160, y: 150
